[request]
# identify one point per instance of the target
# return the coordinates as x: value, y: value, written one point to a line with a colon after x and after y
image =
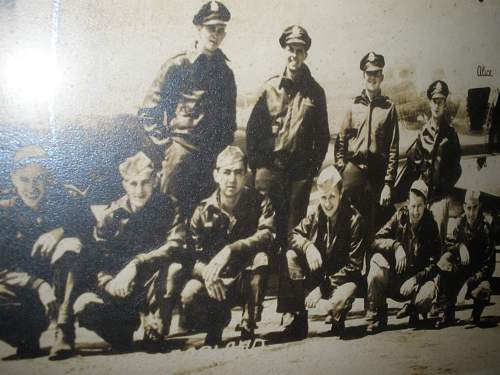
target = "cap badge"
x: 214, y: 7
x: 439, y: 87
x: 296, y: 30
x: 371, y: 57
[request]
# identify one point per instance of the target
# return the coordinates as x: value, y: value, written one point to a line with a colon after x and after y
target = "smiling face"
x: 329, y: 198
x: 438, y: 106
x: 210, y: 37
x: 140, y: 188
x: 30, y: 183
x: 296, y: 54
x: 416, y: 207
x: 372, y: 81
x: 231, y: 179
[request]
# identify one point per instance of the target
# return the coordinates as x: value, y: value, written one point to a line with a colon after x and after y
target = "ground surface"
x: 399, y: 350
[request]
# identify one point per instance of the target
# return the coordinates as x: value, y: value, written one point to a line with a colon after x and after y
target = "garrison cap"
x: 372, y: 62
x: 212, y: 13
x: 31, y: 154
x: 134, y: 165
x: 438, y: 89
x: 472, y: 196
x: 329, y: 177
x: 295, y: 34
x: 230, y: 155
x: 420, y: 186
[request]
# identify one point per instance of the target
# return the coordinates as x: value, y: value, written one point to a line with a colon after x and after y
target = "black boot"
x: 475, y: 318
x: 446, y: 319
x: 377, y: 319
x: 298, y: 328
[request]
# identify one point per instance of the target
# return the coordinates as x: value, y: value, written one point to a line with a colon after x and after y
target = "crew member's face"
x: 140, y: 188
x: 373, y: 80
x: 210, y: 37
x: 438, y: 106
x: 416, y: 207
x: 329, y: 198
x: 296, y: 54
x: 471, y: 210
x: 230, y: 178
x: 30, y: 183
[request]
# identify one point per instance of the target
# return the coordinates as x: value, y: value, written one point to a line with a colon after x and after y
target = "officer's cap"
x: 438, y: 89
x: 230, y: 155
x: 31, y: 154
x: 295, y: 34
x: 472, y: 196
x: 212, y: 13
x: 372, y: 62
x: 419, y: 186
x: 329, y: 177
x: 134, y: 165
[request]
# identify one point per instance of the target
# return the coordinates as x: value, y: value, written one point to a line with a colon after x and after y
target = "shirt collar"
x: 195, y: 54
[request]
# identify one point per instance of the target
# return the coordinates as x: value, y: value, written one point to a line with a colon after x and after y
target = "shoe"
x: 375, y: 327
x: 214, y: 336
x: 414, y: 320
x: 405, y: 311
x: 29, y: 349
x: 377, y: 320
x: 434, y: 311
x: 338, y: 328
x: 246, y: 329
x: 298, y: 328
x: 446, y: 319
x: 64, y: 343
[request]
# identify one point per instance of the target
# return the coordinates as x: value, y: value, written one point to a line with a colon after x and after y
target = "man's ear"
x: 123, y: 185
x: 305, y: 55
x: 381, y: 77
x: 214, y: 174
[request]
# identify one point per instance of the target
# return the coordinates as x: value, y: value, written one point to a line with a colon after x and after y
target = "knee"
x: 82, y: 303
x: 261, y: 259
x: 66, y: 250
x: 482, y: 292
x: 191, y: 292
x: 378, y: 266
x: 174, y: 271
x: 425, y: 297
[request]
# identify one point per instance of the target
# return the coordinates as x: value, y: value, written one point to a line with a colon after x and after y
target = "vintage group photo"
x: 249, y: 187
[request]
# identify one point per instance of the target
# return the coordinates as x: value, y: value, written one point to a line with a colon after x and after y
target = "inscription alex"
x: 483, y: 71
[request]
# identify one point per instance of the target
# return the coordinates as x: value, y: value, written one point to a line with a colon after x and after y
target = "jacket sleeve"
x: 487, y: 267
x: 386, y: 238
x: 393, y: 157
x: 263, y: 238
x: 260, y: 140
x: 174, y: 248
x: 299, y: 237
x: 20, y: 279
x: 321, y: 133
x: 342, y: 141
x: 157, y: 103
x: 433, y: 242
x: 357, y: 247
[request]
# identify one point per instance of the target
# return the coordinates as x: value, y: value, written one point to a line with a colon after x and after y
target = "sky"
x: 96, y: 57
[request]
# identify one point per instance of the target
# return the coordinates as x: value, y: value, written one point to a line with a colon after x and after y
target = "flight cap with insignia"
x: 31, y: 154
x: 329, y: 177
x: 438, y: 89
x: 134, y: 165
x: 212, y: 13
x: 230, y: 155
x: 420, y: 187
x: 295, y: 34
x: 372, y: 62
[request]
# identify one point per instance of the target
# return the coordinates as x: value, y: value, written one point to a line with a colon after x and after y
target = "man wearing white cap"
x: 40, y: 256
x: 233, y: 233
x: 141, y: 244
x: 190, y: 111
x: 325, y: 258
x: 403, y: 265
x: 469, y: 259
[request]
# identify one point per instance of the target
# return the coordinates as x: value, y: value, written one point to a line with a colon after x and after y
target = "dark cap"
x: 438, y: 89
x: 32, y: 154
x: 212, y: 13
x: 295, y: 34
x: 372, y: 62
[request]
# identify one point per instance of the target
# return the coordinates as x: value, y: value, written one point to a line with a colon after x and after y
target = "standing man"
x: 470, y: 259
x: 403, y: 266
x: 40, y: 256
x: 325, y: 258
x: 367, y: 146
x: 436, y: 156
x: 141, y: 244
x: 190, y: 111
x: 287, y: 140
x: 233, y: 233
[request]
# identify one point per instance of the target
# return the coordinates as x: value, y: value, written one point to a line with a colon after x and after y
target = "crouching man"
x: 232, y: 232
x: 39, y: 259
x: 325, y: 258
x: 403, y: 266
x: 469, y: 259
x: 140, y: 239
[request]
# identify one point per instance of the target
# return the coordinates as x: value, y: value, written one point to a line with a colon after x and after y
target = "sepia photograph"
x: 240, y: 187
